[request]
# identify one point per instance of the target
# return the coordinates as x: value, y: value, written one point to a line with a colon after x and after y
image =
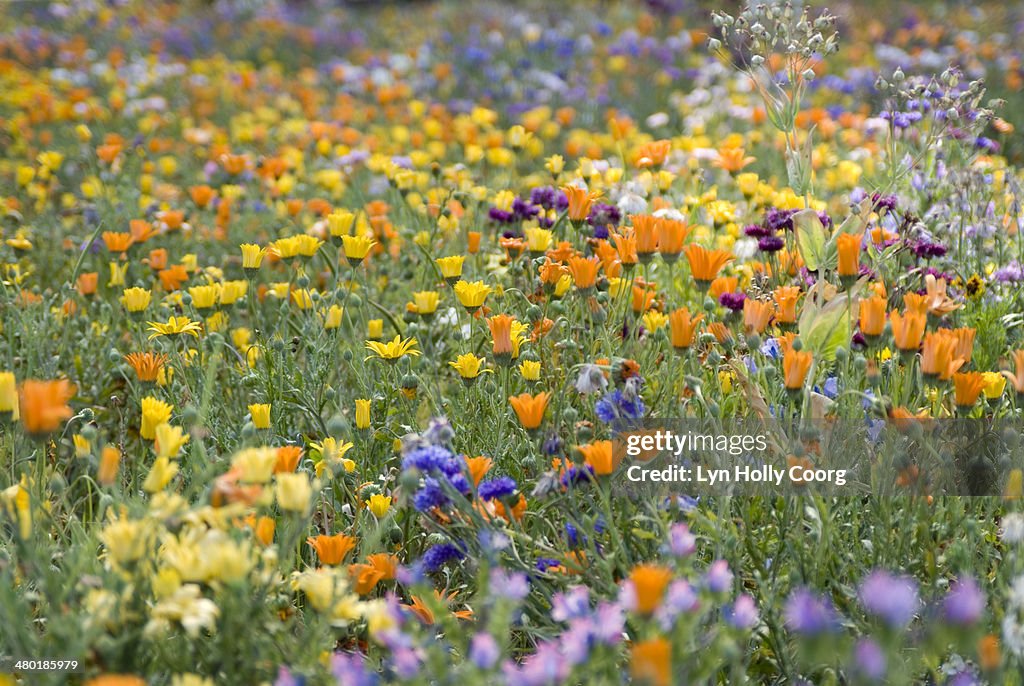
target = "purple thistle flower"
x: 965, y: 602
x: 869, y: 659
x: 743, y: 613
x: 892, y: 598
x: 718, y: 577
x: 484, y: 651
x: 810, y: 614
x: 771, y: 243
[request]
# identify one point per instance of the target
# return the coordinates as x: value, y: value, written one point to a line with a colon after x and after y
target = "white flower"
x: 1013, y: 635
x: 591, y: 380
x: 1013, y: 528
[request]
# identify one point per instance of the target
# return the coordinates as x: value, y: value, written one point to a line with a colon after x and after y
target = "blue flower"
x: 439, y: 555
x: 499, y: 487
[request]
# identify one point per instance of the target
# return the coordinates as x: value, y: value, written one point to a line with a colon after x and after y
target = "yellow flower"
x: 204, y: 297
x: 994, y: 384
x: 82, y: 445
x: 451, y: 267
x: 468, y: 366
x: 136, y: 299
x: 125, y: 540
x: 340, y: 222
x: 252, y: 256
x: 307, y: 245
x: 256, y: 465
x: 231, y: 291
x: 333, y: 450
x: 303, y: 298
x: 471, y: 294
x: 293, y: 492
x: 538, y: 240
x: 555, y: 164
x: 8, y: 395
x: 173, y: 327
x: 154, y: 413
x: 356, y: 248
x: 169, y: 440
x: 362, y: 413
x: 654, y: 320
x: 530, y: 370
x: 397, y: 348
x: 287, y: 247
x: 375, y: 329
x: 426, y: 302
x: 160, y: 474
x: 118, y: 272
x: 260, y: 413
x: 379, y: 505
x: 334, y: 316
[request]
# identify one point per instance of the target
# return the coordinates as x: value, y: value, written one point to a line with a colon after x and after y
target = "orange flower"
x: 157, y: 259
x: 649, y: 584
x: 44, y: 404
x: 530, y: 408
x: 785, y: 304
x: 732, y: 159
x: 757, y: 314
x: 683, y: 327
x: 473, y: 242
x: 848, y: 245
x: 672, y: 234
x: 117, y: 241
x: 87, y: 283
x: 202, y: 195
x: 645, y: 228
x: 625, y: 246
x: 642, y: 298
x: 964, y: 343
x: 1017, y: 377
x: 653, y: 154
x: 116, y: 680
x: 967, y: 387
x: 584, y: 271
x: 872, y: 316
x: 795, y: 365
x: 907, y: 330
x: 916, y: 303
x: 651, y: 662
x: 264, y: 530
x: 110, y: 463
x: 721, y: 332
x: 600, y: 457
x: 580, y: 200
x: 705, y: 264
x: 937, y: 358
x: 364, y: 577
x: 140, y: 230
x: 723, y: 284
x: 332, y: 549
x: 147, y: 365
x: 501, y: 335
x: 384, y: 563
x: 478, y: 467
x: 550, y: 272
x: 287, y: 458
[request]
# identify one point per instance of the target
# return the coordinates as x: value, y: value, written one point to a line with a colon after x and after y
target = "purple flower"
x: 679, y: 598
x: 509, y: 585
x: 545, y: 563
x: 732, y: 301
x: 439, y: 555
x: 928, y: 250
x: 484, y: 651
x: 571, y: 604
x: 758, y: 231
x: 779, y: 220
x: 771, y: 243
x: 743, y: 613
x: 718, y: 577
x: 286, y: 678
x: 609, y: 623
x: 498, y: 487
x: 809, y: 614
x: 869, y: 659
x: 965, y: 602
x: 680, y: 541
x: 893, y: 598
x: 351, y: 670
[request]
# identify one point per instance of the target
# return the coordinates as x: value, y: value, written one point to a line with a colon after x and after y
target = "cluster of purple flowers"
x: 622, y: 403
x: 440, y: 467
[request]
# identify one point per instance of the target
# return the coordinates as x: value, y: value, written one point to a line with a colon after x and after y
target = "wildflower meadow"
x: 531, y: 343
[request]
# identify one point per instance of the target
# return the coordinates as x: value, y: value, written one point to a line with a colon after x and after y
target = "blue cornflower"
x: 498, y: 487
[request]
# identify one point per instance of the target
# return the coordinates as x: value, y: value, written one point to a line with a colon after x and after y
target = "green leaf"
x: 811, y: 238
x: 825, y: 328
